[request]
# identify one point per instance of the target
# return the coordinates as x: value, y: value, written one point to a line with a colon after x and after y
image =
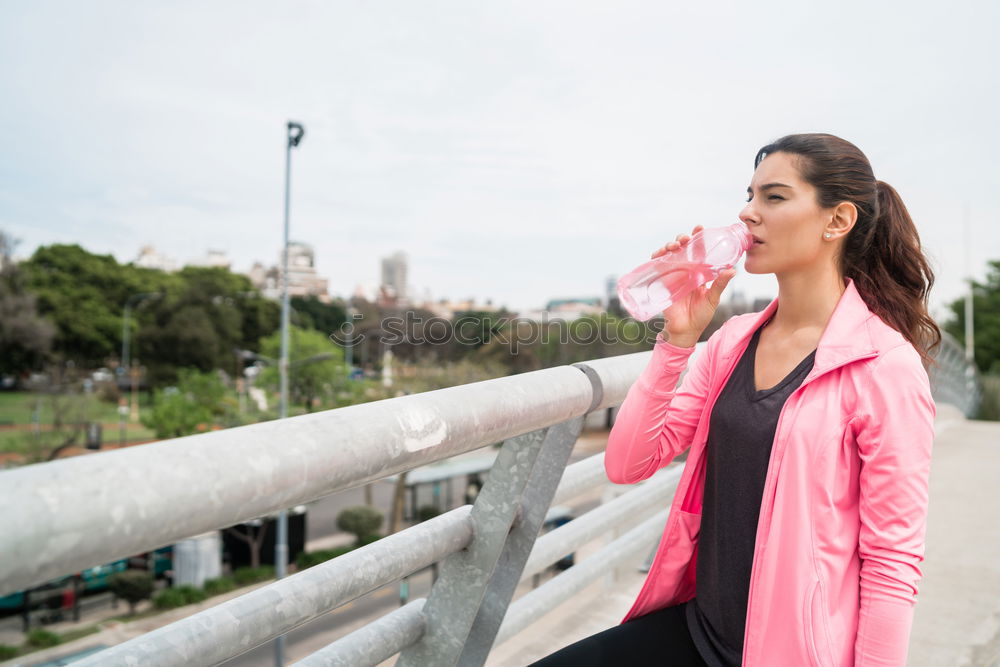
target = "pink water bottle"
x: 650, y: 288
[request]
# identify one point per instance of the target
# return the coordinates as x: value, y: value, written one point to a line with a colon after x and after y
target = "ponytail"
x: 891, y: 272
x: 882, y: 252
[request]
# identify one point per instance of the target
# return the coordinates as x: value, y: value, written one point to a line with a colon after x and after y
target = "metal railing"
x: 75, y: 513
x: 954, y: 380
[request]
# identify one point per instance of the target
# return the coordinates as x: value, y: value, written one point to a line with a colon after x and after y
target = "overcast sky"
x: 517, y: 151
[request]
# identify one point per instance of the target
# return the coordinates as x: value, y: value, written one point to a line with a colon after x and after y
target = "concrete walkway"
x: 957, y: 621
x: 958, y: 610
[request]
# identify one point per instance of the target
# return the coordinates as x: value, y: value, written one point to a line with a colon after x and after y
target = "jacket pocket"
x: 690, y: 527
x: 817, y: 633
x: 694, y: 491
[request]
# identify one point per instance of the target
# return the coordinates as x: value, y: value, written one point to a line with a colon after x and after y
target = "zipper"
x: 769, y: 482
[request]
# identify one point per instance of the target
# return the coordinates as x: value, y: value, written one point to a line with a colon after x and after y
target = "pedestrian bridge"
x: 71, y: 514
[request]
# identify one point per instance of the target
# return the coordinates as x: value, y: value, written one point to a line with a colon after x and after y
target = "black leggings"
x: 660, y: 638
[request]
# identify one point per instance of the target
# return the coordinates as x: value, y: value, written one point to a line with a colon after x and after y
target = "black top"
x: 740, y: 435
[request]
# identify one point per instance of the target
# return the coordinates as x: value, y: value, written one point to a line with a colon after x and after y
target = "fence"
x: 79, y: 512
x: 954, y: 380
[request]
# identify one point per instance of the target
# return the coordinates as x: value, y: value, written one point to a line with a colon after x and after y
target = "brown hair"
x: 882, y: 252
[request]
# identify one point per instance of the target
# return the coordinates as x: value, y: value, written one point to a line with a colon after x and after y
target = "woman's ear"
x: 845, y: 214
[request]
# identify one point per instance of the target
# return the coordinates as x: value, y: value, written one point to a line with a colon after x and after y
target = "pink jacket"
x: 843, y: 515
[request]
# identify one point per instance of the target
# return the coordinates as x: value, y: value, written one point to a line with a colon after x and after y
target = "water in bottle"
x: 651, y: 288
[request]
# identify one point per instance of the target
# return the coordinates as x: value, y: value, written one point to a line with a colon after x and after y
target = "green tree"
x: 316, y: 365
x: 198, y: 400
x: 25, y: 337
x: 362, y: 521
x: 323, y: 317
x: 475, y: 328
x: 84, y: 295
x: 985, y: 320
x: 200, y: 321
x: 133, y: 586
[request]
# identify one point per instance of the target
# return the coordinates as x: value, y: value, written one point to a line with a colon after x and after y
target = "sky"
x: 516, y: 151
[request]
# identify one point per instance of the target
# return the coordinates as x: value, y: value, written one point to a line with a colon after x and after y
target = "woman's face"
x: 783, y: 214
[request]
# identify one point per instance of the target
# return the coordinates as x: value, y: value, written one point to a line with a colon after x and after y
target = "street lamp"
x: 127, y: 330
x: 125, y: 364
x: 295, y: 134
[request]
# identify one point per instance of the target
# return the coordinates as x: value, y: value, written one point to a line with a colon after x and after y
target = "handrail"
x: 535, y: 604
x: 374, y: 643
x: 953, y: 379
x: 141, y: 498
x: 87, y: 510
x: 580, y: 477
x: 628, y: 507
x: 249, y: 620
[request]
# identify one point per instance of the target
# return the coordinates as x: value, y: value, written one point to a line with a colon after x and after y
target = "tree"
x: 362, y: 521
x: 25, y: 337
x: 252, y: 532
x: 323, y: 317
x: 60, y: 387
x: 985, y: 320
x: 195, y: 317
x: 198, y: 399
x: 84, y: 294
x: 475, y: 328
x: 198, y: 322
x: 133, y: 586
x: 316, y: 365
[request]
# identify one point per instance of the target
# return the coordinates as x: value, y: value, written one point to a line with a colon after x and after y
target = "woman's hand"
x: 688, y: 317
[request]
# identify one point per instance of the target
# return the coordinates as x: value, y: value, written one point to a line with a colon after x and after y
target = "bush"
x: 362, y: 521
x: 8, y: 652
x: 425, y: 512
x: 43, y: 638
x: 191, y: 594
x: 373, y: 537
x: 244, y: 576
x: 219, y: 586
x: 179, y: 596
x: 133, y: 586
x: 170, y: 598
x: 306, y: 560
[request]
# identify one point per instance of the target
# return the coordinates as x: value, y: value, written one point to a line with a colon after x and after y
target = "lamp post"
x: 295, y: 134
x: 349, y: 346
x: 125, y: 366
x: 127, y: 330
x: 970, y: 345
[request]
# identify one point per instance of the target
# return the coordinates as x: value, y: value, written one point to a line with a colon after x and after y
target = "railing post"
x: 535, y: 505
x: 467, y: 604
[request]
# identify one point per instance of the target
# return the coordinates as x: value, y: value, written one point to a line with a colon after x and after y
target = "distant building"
x: 565, y: 309
x: 392, y: 290
x: 215, y: 259
x: 150, y: 258
x: 447, y: 309
x: 302, y: 277
x: 612, y: 302
x: 738, y: 302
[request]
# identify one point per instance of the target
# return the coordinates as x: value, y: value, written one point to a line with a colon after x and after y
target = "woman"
x: 797, y: 528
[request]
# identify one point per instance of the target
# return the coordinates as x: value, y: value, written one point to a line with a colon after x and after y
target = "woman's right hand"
x: 688, y: 317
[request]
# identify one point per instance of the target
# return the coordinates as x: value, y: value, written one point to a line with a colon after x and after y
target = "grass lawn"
x: 17, y: 409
